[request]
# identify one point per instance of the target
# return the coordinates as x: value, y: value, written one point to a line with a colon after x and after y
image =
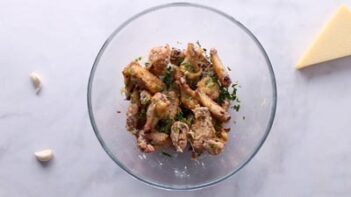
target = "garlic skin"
x: 44, y: 155
x: 36, y: 82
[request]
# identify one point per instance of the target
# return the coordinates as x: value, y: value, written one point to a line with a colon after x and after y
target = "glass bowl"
x: 177, y: 24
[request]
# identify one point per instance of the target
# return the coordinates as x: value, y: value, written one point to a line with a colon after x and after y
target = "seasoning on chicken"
x: 177, y: 74
x: 177, y: 56
x: 159, y: 58
x: 133, y: 111
x: 158, y: 139
x: 214, y: 146
x: 143, y: 144
x: 208, y: 86
x: 179, y: 133
x: 156, y: 110
x: 145, y: 97
x: 187, y: 95
x: 174, y: 106
x: 189, y: 66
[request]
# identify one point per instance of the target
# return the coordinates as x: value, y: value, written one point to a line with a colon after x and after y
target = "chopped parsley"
x: 138, y: 58
x: 141, y: 118
x: 180, y: 116
x: 166, y: 154
x: 198, y: 44
x: 168, y: 77
x: 188, y: 67
x: 217, y: 125
x: 226, y: 94
x: 184, y: 115
x: 236, y: 107
x: 142, y: 113
x: 165, y: 125
x: 134, y: 131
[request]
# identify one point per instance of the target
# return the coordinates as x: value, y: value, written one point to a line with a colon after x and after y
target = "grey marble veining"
x: 306, y: 154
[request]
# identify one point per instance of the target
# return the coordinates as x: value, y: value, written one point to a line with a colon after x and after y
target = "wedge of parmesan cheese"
x: 333, y: 42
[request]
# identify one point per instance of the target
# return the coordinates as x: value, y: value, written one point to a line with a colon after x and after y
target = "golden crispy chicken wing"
x: 157, y: 110
x: 144, y: 144
x: 189, y: 66
x: 187, y: 95
x: 202, y: 134
x: 144, y: 77
x: 159, y: 58
x: 215, y: 109
x: 219, y: 69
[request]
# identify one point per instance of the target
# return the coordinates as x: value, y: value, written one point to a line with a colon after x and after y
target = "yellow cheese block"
x: 332, y: 43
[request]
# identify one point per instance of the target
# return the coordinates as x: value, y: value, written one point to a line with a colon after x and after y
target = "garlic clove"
x: 44, y: 155
x: 36, y: 82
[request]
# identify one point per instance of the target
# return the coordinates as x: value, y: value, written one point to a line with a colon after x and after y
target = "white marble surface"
x: 308, y: 152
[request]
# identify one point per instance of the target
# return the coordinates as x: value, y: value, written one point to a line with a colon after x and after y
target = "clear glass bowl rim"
x: 182, y: 4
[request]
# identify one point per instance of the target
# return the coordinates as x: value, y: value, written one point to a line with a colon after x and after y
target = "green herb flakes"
x: 138, y: 58
x: 198, y: 44
x: 165, y: 125
x: 230, y: 95
x: 166, y: 154
x: 168, y: 77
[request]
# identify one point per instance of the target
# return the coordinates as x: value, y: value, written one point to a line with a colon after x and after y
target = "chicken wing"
x: 215, y: 109
x: 159, y: 58
x: 144, y: 77
x: 219, y: 69
x: 190, y: 66
x: 187, y: 95
x: 202, y: 128
x: 157, y: 110
x: 202, y: 134
x: 144, y: 144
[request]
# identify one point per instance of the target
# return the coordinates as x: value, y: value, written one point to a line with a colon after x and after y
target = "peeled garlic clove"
x: 36, y: 82
x: 44, y: 155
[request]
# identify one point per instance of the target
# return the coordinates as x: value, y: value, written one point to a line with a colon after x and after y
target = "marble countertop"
x: 308, y: 152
